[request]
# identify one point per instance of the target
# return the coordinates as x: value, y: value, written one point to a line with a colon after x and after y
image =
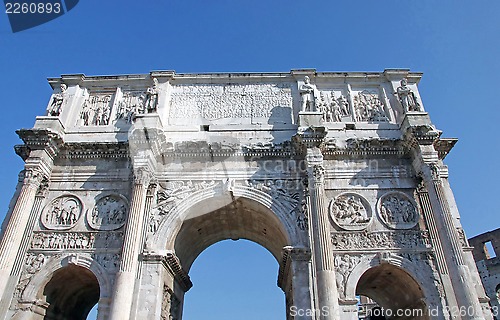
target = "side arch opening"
x: 70, y: 294
x: 396, y: 295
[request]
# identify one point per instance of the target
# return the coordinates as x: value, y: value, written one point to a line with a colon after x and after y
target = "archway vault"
x: 240, y: 218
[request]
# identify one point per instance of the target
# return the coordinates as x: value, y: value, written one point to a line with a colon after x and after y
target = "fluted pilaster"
x: 125, y: 278
x: 13, y: 236
x: 463, y: 286
x: 321, y: 239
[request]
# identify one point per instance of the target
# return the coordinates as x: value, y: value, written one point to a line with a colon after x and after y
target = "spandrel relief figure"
x: 407, y: 98
x: 152, y: 97
x: 55, y: 107
x: 307, y: 95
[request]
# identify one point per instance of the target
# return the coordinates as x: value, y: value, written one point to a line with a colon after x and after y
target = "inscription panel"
x: 259, y: 103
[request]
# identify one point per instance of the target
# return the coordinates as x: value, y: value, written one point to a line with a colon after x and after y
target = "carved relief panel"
x: 369, y: 105
x: 96, y: 109
x: 350, y: 211
x: 109, y: 213
x: 62, y: 213
x: 130, y: 104
x: 397, y: 210
x: 334, y: 105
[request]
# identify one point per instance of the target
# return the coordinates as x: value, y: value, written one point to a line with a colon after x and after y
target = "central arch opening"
x: 234, y: 280
x: 207, y: 225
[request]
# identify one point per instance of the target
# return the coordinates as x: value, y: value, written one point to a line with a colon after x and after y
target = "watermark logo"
x: 25, y: 15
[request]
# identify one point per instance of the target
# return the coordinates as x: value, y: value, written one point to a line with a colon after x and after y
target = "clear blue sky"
x: 455, y: 44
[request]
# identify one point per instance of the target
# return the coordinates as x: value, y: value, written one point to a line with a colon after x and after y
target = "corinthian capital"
x: 33, y: 177
x: 143, y: 176
x: 318, y: 172
x: 431, y: 171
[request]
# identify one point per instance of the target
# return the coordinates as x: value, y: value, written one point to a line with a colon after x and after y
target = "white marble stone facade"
x: 339, y: 175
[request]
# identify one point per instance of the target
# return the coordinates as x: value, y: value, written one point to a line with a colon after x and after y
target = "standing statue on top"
x: 307, y: 95
x: 152, y: 97
x: 407, y: 97
x: 55, y: 107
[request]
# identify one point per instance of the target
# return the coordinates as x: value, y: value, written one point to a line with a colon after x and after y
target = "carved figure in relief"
x: 152, y: 97
x: 407, y: 98
x: 321, y: 105
x: 344, y: 105
x: 63, y: 241
x: 55, y: 107
x: 307, y: 95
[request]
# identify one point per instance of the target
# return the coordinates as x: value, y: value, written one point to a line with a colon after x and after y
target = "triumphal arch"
x: 340, y: 176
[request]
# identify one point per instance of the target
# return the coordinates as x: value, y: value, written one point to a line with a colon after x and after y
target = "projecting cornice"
x: 38, y: 139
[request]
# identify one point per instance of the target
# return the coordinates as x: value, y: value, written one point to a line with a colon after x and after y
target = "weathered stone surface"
x: 339, y: 175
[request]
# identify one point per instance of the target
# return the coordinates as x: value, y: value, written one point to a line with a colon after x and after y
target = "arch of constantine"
x: 340, y: 176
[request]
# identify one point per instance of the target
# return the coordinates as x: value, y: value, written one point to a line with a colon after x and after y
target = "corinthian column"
x: 125, y: 278
x: 14, y: 231
x: 321, y: 239
x: 462, y: 283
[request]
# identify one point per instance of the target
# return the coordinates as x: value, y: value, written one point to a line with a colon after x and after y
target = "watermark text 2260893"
x: 32, y: 7
x: 26, y: 14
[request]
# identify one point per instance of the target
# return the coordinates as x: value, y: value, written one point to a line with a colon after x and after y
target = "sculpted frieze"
x: 75, y: 240
x: 397, y: 211
x: 350, y: 211
x: 407, y: 239
x: 109, y: 213
x: 62, y: 213
x: 219, y: 101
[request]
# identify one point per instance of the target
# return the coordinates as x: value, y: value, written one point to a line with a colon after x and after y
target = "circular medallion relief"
x: 397, y: 211
x: 109, y: 213
x: 62, y: 213
x: 350, y: 211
